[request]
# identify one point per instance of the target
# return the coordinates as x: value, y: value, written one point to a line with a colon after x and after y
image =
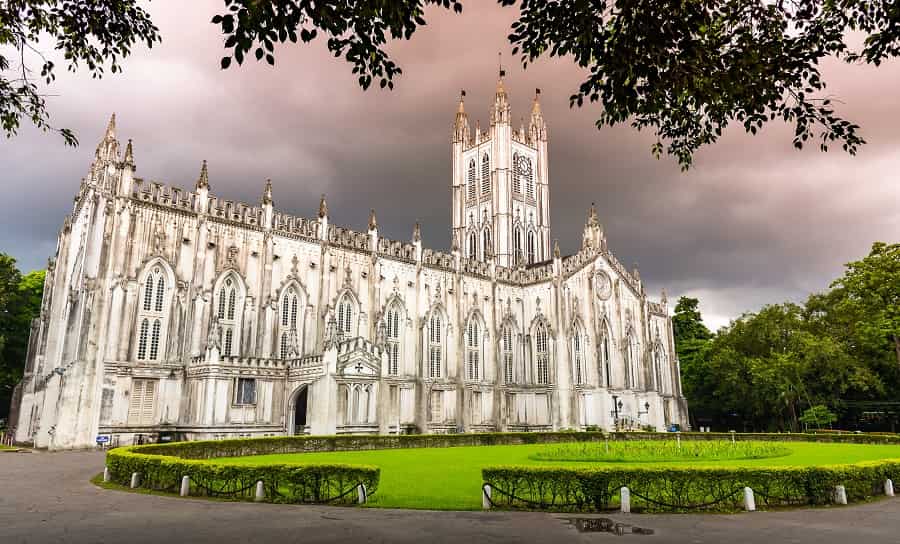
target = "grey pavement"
x: 47, y: 497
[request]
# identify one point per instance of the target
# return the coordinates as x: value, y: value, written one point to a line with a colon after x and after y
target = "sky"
x: 753, y: 222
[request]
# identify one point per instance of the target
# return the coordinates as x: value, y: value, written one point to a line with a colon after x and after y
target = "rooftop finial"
x: 536, y: 106
x: 111, y: 127
x: 203, y: 180
x: 556, y: 252
x: 373, y: 223
x: 462, y: 98
x: 267, y: 193
x: 501, y: 71
x: 129, y: 154
x: 323, y: 207
x: 417, y: 233
x: 592, y: 216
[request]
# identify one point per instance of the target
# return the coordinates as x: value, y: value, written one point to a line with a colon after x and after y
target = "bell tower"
x: 500, y: 187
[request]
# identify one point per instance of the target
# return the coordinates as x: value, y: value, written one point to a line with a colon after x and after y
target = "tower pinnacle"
x: 267, y: 193
x: 203, y: 180
x: 461, y: 124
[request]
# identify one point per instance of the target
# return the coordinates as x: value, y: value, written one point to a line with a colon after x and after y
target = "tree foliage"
x: 95, y: 34
x: 767, y: 368
x: 682, y: 69
x: 20, y: 302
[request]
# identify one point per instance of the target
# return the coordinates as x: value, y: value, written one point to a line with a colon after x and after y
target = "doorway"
x: 300, y: 410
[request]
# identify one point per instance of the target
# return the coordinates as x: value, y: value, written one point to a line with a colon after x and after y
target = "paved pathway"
x: 46, y: 497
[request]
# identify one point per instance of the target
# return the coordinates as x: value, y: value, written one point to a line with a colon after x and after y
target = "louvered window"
x: 506, y: 353
x: 345, y: 315
x: 434, y: 346
x: 393, y: 340
x: 473, y: 351
x: 152, y: 317
x: 472, y: 183
x: 230, y: 299
x: 142, y: 404
x: 516, y: 175
x: 288, y: 331
x: 485, y: 174
x: 543, y: 356
x: 579, y: 358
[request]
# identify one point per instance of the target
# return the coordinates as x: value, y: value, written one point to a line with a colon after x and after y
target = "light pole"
x: 617, y: 404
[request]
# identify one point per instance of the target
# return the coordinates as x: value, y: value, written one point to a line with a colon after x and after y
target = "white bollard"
x: 625, y: 500
x: 260, y: 492
x: 749, y: 500
x: 840, y: 494
x: 361, y: 495
x: 486, y: 497
x: 135, y: 479
x: 106, y: 476
x: 185, y: 486
x: 889, y: 487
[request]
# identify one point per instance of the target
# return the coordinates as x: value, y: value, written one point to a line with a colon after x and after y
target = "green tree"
x: 683, y: 69
x: 818, y: 416
x: 691, y: 344
x: 20, y: 302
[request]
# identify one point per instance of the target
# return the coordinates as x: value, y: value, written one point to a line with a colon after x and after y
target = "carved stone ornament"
x: 602, y: 285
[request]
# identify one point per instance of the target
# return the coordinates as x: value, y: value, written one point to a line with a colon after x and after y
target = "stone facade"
x: 173, y: 314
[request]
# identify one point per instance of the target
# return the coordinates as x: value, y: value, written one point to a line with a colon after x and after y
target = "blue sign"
x: 102, y: 439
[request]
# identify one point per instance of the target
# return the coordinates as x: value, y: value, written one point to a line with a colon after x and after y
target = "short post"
x: 749, y: 500
x: 260, y: 492
x: 678, y: 438
x: 889, y: 487
x: 106, y: 476
x: 625, y: 500
x: 185, y: 486
x: 732, y: 436
x: 840, y: 494
x: 135, y: 479
x: 361, y: 495
x: 486, y: 496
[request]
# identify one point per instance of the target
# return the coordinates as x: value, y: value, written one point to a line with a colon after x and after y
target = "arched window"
x: 531, y: 255
x: 152, y: 316
x: 472, y: 185
x: 517, y: 245
x: 528, y: 174
x: 605, y: 362
x: 486, y: 241
x: 516, y: 176
x: 473, y: 350
x: 628, y: 356
x: 485, y: 174
x: 473, y: 245
x: 658, y: 362
x: 542, y: 355
x: 345, y: 314
x: 578, y: 356
x: 231, y: 298
x: 288, y: 329
x: 506, y: 354
x: 435, y: 346
x: 392, y: 322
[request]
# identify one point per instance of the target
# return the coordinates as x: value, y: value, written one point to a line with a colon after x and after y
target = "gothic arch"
x: 394, y: 319
x: 348, y: 323
x: 579, y: 350
x: 436, y: 331
x: 290, y: 322
x: 474, y: 345
x: 543, y: 350
x: 605, y: 343
x: 156, y: 290
x: 229, y: 298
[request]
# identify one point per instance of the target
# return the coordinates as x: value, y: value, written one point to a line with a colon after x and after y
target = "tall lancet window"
x: 506, y: 353
x: 435, y: 346
x: 486, y: 240
x: 393, y: 339
x: 542, y: 355
x: 605, y: 362
x: 516, y: 176
x: 228, y: 311
x: 472, y: 186
x: 517, y: 245
x: 345, y: 314
x: 528, y: 174
x: 485, y: 174
x: 473, y: 245
x: 152, y: 317
x: 578, y: 356
x: 531, y: 247
x: 289, y: 334
x: 473, y: 350
x: 629, y: 359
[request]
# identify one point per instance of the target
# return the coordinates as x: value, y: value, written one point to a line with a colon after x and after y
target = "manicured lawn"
x: 2, y: 447
x: 450, y: 478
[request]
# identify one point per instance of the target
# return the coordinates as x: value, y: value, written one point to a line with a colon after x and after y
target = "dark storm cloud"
x: 753, y: 222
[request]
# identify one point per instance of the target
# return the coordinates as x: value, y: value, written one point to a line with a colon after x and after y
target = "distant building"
x: 177, y: 314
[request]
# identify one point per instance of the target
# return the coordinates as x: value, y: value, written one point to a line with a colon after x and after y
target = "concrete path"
x: 47, y: 497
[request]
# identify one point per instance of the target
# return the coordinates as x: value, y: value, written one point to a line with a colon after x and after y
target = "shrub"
x: 678, y: 489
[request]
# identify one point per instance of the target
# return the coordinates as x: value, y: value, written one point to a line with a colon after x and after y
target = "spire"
x: 108, y: 148
x: 537, y: 128
x: 461, y: 124
x: 592, y: 216
x: 111, y: 128
x: 203, y: 180
x: 500, y: 109
x: 373, y: 223
x: 323, y: 207
x: 129, y: 154
x: 267, y: 193
x: 417, y: 233
x: 536, y: 105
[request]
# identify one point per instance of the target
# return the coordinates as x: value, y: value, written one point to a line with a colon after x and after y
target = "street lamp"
x: 617, y: 405
x: 646, y: 409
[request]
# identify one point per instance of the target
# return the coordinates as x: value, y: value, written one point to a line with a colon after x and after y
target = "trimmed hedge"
x: 677, y: 489
x: 283, y: 483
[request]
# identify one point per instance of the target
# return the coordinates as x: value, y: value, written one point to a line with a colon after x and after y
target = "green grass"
x: 654, y: 451
x: 450, y: 478
x: 7, y: 448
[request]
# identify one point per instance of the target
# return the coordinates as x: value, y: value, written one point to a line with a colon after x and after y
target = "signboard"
x: 103, y: 439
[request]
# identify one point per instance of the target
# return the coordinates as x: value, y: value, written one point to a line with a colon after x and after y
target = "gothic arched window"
x: 288, y: 330
x: 486, y: 241
x: 528, y: 174
x: 578, y: 356
x: 605, y: 362
x: 473, y: 245
x: 485, y: 174
x: 473, y: 350
x: 435, y: 346
x: 152, y: 316
x: 506, y: 354
x: 531, y: 254
x: 542, y: 355
x: 345, y: 314
x: 392, y: 341
x: 231, y: 298
x: 658, y: 363
x: 517, y: 245
x: 516, y: 176
x: 629, y: 359
x: 471, y: 184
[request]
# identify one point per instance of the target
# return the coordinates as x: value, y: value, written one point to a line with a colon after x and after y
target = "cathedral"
x: 174, y: 314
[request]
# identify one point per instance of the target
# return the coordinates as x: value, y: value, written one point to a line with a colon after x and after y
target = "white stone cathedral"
x: 172, y: 314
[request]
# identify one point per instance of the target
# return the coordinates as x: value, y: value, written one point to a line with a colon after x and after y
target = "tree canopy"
x: 682, y: 69
x: 20, y: 302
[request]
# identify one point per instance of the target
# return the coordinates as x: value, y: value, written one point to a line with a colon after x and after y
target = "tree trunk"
x: 897, y: 347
